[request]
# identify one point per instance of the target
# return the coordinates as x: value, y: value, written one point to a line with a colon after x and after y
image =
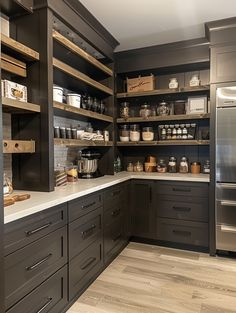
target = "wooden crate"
x: 139, y: 84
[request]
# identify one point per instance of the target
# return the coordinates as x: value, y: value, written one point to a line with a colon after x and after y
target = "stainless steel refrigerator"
x: 226, y: 168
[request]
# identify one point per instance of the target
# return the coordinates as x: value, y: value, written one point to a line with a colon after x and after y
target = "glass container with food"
x: 161, y: 166
x: 72, y: 172
x: 124, y: 132
x: 172, y: 165
x: 206, y: 167
x: 147, y: 134
x: 124, y: 110
x: 145, y: 110
x: 195, y: 167
x: 184, y: 166
x: 134, y: 132
x: 163, y: 109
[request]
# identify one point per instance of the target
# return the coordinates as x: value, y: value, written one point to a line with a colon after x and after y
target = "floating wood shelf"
x: 162, y: 92
x: 13, y: 65
x: 77, y: 50
x: 19, y: 48
x: 80, y: 76
x: 164, y: 143
x: 82, y: 112
x: 18, y: 146
x: 16, y: 106
x: 164, y: 118
x: 81, y: 143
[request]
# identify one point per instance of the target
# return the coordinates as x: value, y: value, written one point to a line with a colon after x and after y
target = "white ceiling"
x: 142, y: 23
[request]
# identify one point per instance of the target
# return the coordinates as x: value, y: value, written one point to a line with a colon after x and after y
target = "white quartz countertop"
x: 40, y: 201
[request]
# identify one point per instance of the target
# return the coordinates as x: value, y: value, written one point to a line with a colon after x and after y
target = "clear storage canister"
x: 147, y: 134
x: 124, y: 110
x: 145, y: 110
x: 134, y: 132
x: 124, y: 133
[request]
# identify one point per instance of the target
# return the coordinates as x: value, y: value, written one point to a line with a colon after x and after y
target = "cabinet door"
x: 143, y: 221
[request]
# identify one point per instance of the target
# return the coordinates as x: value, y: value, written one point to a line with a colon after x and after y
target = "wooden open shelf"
x: 13, y: 65
x: 81, y: 112
x: 16, y: 106
x: 164, y: 143
x: 61, y: 66
x: 77, y: 50
x: 164, y: 118
x: 162, y: 92
x: 18, y: 146
x: 19, y: 48
x: 81, y: 143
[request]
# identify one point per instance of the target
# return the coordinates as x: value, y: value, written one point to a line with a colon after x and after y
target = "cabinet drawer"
x: 84, y: 205
x: 30, y: 266
x: 182, y: 189
x: 51, y: 296
x: 192, y: 233
x: 83, y: 231
x: 113, y: 235
x: 84, y: 267
x: 178, y: 208
x: 113, y: 196
x: 113, y: 214
x: 22, y: 232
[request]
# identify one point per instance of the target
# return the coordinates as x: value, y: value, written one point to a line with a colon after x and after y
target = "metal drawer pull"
x: 89, y: 262
x: 32, y: 267
x: 116, y: 212
x: 228, y: 203
x: 182, y: 189
x: 182, y: 232
x: 182, y: 209
x: 228, y: 229
x: 88, y: 205
x: 45, y: 305
x: 88, y: 231
x: 117, y: 237
x: 34, y: 231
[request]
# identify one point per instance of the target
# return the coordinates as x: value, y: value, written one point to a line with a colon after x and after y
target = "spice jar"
x: 145, y: 110
x: 130, y: 167
x: 56, y: 132
x: 163, y: 109
x: 183, y: 167
x: 206, y: 167
x: 161, y: 166
x: 162, y: 132
x: 124, y: 133
x: 138, y: 167
x: 74, y: 133
x: 195, y: 167
x: 172, y: 165
x: 68, y: 133
x: 147, y: 134
x: 63, y: 132
x: 134, y: 132
x: 124, y: 110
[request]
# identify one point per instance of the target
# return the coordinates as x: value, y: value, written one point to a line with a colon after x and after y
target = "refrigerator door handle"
x: 226, y: 186
x: 228, y: 203
x: 228, y: 229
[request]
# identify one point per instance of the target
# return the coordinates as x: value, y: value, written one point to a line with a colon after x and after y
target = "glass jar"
x: 62, y: 132
x: 162, y: 132
x: 130, y: 167
x: 183, y: 167
x: 89, y: 103
x: 173, y: 83
x: 134, y: 132
x: 56, y: 132
x: 206, y: 167
x: 145, y: 110
x: 161, y: 166
x: 147, y: 134
x: 168, y: 133
x: 138, y: 167
x: 124, y: 110
x: 68, y: 133
x: 124, y: 133
x: 163, y: 109
x: 102, y: 107
x: 153, y: 111
x: 172, y: 165
x: 7, y: 186
x: 194, y: 81
x: 72, y: 173
x: 84, y: 102
x: 95, y: 105
x: 195, y: 167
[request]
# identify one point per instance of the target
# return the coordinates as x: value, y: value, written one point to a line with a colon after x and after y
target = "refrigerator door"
x: 226, y: 144
x: 226, y: 96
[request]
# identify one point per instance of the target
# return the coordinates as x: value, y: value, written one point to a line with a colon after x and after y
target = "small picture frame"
x: 196, y: 105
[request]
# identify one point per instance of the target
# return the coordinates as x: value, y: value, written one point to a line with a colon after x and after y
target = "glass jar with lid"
x: 161, y: 166
x: 147, y: 134
x: 130, y: 167
x: 173, y: 83
x: 145, y: 110
x: 206, y: 167
x: 195, y: 167
x: 172, y: 165
x: 138, y: 167
x: 163, y: 109
x: 134, y: 132
x: 184, y: 166
x: 124, y: 132
x: 124, y: 110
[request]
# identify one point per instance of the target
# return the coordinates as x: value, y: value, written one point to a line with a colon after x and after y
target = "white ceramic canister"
x: 73, y: 99
x: 57, y: 94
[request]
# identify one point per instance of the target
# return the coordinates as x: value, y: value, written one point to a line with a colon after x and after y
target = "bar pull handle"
x: 182, y: 209
x: 88, y: 263
x: 228, y: 203
x: 182, y: 233
x: 228, y: 229
x: 32, y: 267
x: 88, y: 231
x: 34, y: 231
x: 44, y: 306
x: 88, y: 205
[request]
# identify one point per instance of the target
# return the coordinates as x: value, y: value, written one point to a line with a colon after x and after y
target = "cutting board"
x: 15, y: 198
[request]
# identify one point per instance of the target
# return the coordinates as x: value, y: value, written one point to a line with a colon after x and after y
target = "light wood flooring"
x: 152, y: 279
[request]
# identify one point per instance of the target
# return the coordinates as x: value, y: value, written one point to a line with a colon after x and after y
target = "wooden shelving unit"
x: 81, y: 112
x: 81, y: 143
x: 162, y: 92
x: 13, y: 65
x: 80, y: 52
x: 61, y: 66
x: 15, y: 106
x: 18, y: 146
x: 164, y: 118
x: 18, y: 48
x: 164, y: 143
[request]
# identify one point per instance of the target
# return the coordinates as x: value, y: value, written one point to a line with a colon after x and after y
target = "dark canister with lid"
x: 172, y: 165
x: 161, y: 166
x: 179, y: 107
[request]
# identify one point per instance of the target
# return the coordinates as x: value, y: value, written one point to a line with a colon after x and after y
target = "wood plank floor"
x: 152, y: 279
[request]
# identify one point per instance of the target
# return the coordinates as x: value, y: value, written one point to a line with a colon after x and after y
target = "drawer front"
x: 22, y: 232
x: 84, y: 205
x: 51, y: 296
x: 178, y: 208
x: 113, y: 196
x: 182, y: 189
x: 113, y: 214
x: 192, y: 233
x: 30, y: 266
x: 113, y: 235
x: 84, y: 231
x: 84, y: 267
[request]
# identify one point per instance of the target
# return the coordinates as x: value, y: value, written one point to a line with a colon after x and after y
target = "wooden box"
x: 139, y: 84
